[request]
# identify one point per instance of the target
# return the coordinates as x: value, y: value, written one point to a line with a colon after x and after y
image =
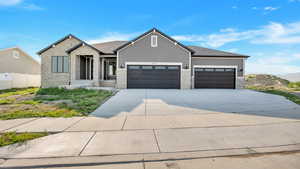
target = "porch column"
x: 96, y: 67
x: 73, y: 63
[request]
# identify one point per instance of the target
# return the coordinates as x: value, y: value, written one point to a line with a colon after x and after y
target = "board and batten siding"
x: 141, y: 51
x: 220, y: 62
x: 166, y: 52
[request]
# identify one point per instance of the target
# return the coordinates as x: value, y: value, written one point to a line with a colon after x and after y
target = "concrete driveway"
x: 150, y: 125
x: 182, y: 102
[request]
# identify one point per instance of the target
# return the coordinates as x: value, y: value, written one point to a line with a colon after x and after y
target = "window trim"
x: 154, y: 42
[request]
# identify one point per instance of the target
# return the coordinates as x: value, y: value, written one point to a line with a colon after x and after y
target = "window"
x: 209, y: 70
x: 229, y: 70
x: 146, y: 67
x: 153, y: 41
x: 220, y: 70
x: 160, y: 67
x: 60, y: 64
x: 199, y: 70
x: 134, y: 67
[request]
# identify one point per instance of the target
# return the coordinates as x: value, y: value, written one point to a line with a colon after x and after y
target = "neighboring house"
x: 18, y: 69
x: 152, y: 60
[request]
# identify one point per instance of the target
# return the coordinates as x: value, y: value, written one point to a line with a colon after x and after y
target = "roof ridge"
x: 109, y: 42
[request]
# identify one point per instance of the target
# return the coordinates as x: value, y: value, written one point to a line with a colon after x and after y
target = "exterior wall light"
x: 186, y: 66
x: 241, y: 70
x: 122, y: 66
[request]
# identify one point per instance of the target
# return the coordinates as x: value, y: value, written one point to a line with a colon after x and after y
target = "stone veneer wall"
x: 50, y: 79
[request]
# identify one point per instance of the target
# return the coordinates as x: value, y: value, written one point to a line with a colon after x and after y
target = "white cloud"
x: 21, y: 5
x: 112, y: 36
x: 253, y: 67
x: 33, y: 7
x: 270, y: 8
x: 294, y: 0
x: 233, y: 50
x: 273, y: 33
x: 10, y: 2
x: 279, y: 63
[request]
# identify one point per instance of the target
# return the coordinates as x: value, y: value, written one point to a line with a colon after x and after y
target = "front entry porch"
x: 89, y: 70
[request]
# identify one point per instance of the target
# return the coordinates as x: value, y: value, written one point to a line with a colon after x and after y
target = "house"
x: 152, y: 60
x: 18, y: 69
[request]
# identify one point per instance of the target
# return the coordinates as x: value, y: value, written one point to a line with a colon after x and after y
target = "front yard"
x: 49, y: 102
x: 13, y: 137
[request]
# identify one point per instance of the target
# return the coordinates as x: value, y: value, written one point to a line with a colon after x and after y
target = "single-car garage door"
x: 153, y: 77
x: 215, y: 78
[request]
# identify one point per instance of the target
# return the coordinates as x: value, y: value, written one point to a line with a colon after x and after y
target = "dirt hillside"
x: 266, y: 81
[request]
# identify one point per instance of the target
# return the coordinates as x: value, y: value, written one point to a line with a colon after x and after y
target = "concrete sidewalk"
x: 90, y: 124
x: 243, y: 138
x: 262, y: 161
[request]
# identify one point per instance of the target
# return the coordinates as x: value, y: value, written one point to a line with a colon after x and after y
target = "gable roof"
x: 152, y: 30
x: 205, y: 52
x: 83, y: 44
x: 20, y: 50
x: 109, y: 47
x: 57, y: 42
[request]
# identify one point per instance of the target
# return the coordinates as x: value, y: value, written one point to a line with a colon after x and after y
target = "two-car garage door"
x: 215, y: 78
x: 168, y: 77
x: 153, y: 77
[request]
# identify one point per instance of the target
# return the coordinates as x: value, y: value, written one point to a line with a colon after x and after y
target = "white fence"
x: 17, y: 80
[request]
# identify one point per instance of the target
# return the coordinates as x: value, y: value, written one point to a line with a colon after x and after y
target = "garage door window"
x: 220, y: 70
x: 160, y: 67
x: 229, y: 70
x: 209, y: 70
x: 147, y: 67
x: 134, y: 67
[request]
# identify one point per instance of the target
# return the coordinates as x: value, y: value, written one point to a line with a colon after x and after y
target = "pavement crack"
x: 73, y: 124
x: 87, y: 143
x: 156, y: 141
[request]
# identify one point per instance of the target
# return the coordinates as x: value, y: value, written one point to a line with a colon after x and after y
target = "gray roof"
x: 109, y: 47
x: 205, y: 52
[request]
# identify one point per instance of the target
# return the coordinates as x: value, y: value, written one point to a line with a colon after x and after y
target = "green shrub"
x: 294, y: 85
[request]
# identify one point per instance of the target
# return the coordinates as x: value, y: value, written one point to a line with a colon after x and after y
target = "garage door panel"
x: 153, y: 77
x: 214, y: 78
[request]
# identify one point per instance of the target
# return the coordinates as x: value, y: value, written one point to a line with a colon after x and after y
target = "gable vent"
x: 154, y: 41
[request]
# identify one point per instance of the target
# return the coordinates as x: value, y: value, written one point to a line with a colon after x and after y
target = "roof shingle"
x: 205, y: 52
x: 109, y: 47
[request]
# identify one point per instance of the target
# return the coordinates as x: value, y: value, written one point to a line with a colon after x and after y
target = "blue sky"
x: 267, y: 30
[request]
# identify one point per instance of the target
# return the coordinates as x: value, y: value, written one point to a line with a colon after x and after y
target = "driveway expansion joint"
x: 90, y: 139
x: 157, y: 144
x: 73, y: 124
x: 124, y: 123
